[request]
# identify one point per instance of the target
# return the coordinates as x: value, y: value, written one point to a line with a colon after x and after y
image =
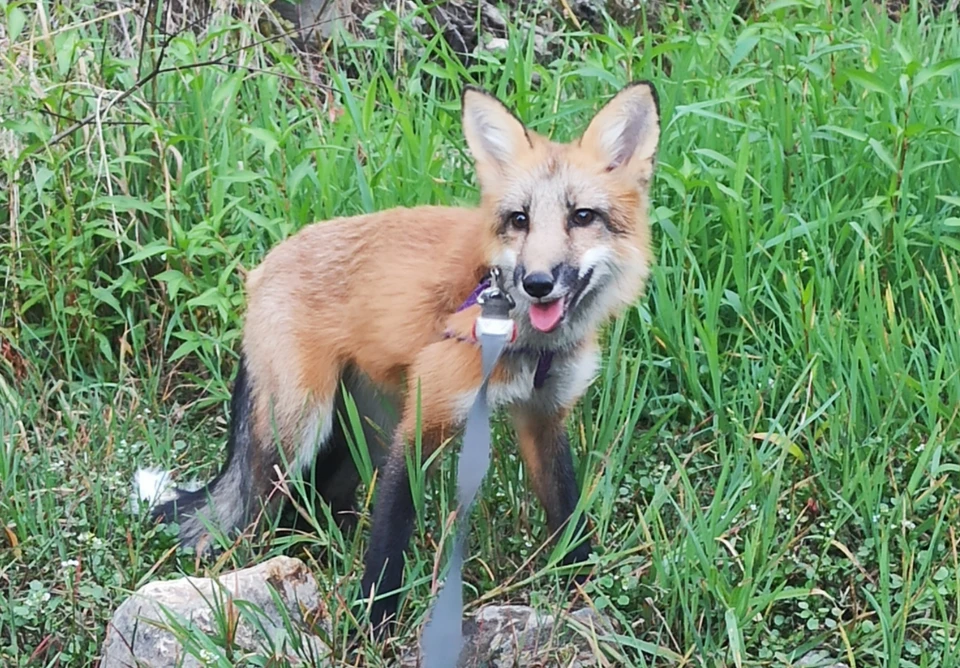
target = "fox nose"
x: 538, y: 284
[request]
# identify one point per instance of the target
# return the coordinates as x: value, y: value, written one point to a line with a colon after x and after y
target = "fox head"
x: 568, y: 222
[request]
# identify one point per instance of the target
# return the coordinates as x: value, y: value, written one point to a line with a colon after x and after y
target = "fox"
x: 381, y: 306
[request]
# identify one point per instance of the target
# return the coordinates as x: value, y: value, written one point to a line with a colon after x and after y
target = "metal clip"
x: 495, y: 301
x: 495, y: 306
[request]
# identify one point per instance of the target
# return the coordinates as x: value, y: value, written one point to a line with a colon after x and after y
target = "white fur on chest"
x: 574, y: 376
x: 568, y: 378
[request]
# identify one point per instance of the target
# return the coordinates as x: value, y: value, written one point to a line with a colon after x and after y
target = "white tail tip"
x: 154, y: 486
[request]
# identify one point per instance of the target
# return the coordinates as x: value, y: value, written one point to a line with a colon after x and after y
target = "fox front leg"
x: 545, y: 448
x: 445, y: 376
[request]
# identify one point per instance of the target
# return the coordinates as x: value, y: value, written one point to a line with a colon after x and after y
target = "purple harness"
x: 545, y: 357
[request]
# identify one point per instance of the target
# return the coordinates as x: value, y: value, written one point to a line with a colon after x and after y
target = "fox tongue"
x: 546, y: 316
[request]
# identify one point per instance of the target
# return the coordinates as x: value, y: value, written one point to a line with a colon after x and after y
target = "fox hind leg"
x: 334, y: 473
x: 263, y: 436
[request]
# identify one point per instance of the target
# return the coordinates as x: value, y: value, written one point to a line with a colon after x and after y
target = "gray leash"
x: 442, y: 639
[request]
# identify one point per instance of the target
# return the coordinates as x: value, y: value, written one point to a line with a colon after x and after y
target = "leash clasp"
x: 495, y: 306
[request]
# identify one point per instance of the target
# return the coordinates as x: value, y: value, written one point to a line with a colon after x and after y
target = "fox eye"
x: 583, y: 217
x: 518, y: 220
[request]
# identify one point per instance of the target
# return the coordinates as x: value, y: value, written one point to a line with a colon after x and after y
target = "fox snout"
x: 539, y: 284
x: 551, y: 294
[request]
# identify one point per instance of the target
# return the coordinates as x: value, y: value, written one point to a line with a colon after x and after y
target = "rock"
x: 497, y: 636
x: 314, y: 18
x: 133, y: 639
x: 493, y: 19
x: 516, y: 635
x: 495, y: 44
x: 819, y: 659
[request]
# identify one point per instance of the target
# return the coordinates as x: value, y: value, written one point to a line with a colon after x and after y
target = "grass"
x: 770, y: 455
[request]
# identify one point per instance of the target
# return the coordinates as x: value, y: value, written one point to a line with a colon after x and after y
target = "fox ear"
x: 626, y: 131
x: 495, y: 136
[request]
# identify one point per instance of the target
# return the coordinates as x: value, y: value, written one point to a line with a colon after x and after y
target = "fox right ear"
x: 626, y: 131
x: 495, y: 136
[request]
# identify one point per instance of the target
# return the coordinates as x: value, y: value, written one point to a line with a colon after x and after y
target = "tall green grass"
x: 770, y: 455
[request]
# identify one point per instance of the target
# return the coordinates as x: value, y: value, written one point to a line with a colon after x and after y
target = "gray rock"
x: 516, y: 635
x: 495, y: 44
x: 492, y: 18
x: 140, y: 632
x: 315, y: 18
x: 135, y: 639
x: 819, y: 658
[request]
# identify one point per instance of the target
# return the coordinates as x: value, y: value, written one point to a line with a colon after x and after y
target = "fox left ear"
x: 495, y: 136
x: 626, y: 131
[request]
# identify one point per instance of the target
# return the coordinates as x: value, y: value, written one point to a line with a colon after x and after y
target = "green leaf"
x: 104, y: 345
x: 868, y: 80
x: 210, y: 297
x: 227, y: 90
x: 786, y: 4
x: 105, y: 296
x: 942, y: 69
x: 883, y: 154
x: 949, y: 199
x: 184, y: 349
x: 846, y: 132
x: 16, y: 19
x: 745, y: 44
x: 123, y: 203
x: 300, y: 172
x: 733, y: 635
x: 175, y: 281
x: 268, y: 138
x: 151, y: 249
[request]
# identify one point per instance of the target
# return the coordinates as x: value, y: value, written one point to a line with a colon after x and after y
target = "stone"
x: 504, y: 636
x: 498, y: 636
x: 134, y: 639
x: 819, y: 659
x: 495, y: 44
x: 493, y: 19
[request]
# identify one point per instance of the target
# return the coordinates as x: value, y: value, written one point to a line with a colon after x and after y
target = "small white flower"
x: 920, y: 447
x: 69, y: 563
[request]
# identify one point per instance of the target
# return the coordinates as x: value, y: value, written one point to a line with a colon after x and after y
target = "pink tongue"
x: 546, y: 316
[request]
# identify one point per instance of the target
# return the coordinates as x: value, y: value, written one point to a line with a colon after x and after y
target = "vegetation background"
x: 770, y: 455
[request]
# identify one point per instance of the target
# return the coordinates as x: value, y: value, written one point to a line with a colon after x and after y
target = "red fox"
x: 379, y: 304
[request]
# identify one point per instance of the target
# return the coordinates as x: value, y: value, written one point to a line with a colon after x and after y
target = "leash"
x: 442, y: 639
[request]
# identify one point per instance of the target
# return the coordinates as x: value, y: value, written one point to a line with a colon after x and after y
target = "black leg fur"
x: 559, y: 493
x: 393, y: 521
x: 549, y: 460
x: 334, y: 480
x: 335, y: 475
